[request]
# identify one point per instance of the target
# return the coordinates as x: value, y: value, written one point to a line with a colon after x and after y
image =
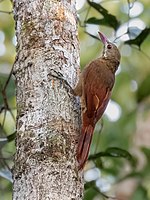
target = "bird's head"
x: 110, y: 50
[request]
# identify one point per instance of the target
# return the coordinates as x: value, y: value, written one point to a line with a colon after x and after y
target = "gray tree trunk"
x: 48, y: 122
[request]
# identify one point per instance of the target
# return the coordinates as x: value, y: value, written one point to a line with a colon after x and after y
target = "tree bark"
x: 48, y: 122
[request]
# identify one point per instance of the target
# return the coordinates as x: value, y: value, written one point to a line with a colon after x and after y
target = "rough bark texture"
x: 48, y: 121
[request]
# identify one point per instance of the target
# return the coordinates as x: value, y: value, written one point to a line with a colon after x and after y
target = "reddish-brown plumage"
x: 94, y: 88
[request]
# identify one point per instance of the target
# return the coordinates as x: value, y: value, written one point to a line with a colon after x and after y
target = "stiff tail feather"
x: 84, y: 145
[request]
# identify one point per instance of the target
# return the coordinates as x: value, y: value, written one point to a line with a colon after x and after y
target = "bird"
x: 94, y: 89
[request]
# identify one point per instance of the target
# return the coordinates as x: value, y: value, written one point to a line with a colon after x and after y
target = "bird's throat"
x: 112, y: 64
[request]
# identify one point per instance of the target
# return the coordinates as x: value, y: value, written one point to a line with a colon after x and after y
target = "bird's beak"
x: 103, y: 38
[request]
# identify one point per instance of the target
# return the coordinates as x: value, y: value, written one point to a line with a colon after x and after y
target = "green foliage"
x: 113, y: 152
x: 144, y: 89
x: 90, y: 191
x: 140, y: 193
x: 140, y: 38
x: 107, y: 20
x: 146, y: 151
x: 131, y: 88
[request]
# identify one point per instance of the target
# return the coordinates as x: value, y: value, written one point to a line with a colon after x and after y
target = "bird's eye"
x: 109, y: 46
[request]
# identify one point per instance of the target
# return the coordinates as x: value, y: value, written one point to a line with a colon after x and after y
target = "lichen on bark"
x: 48, y: 122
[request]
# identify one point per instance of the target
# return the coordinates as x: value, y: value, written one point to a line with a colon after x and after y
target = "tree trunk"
x: 48, y: 122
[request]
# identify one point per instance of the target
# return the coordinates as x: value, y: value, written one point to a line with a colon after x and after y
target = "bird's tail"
x: 84, y: 145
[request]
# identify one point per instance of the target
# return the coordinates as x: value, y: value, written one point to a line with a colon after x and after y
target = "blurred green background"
x: 119, y: 159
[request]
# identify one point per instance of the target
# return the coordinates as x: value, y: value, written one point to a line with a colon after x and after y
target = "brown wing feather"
x: 96, y: 92
x: 97, y: 89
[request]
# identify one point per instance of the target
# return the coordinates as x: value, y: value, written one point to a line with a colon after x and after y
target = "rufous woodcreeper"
x: 94, y: 87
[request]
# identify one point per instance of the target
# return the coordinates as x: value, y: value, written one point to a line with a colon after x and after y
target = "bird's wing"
x: 96, y: 93
x: 97, y: 90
